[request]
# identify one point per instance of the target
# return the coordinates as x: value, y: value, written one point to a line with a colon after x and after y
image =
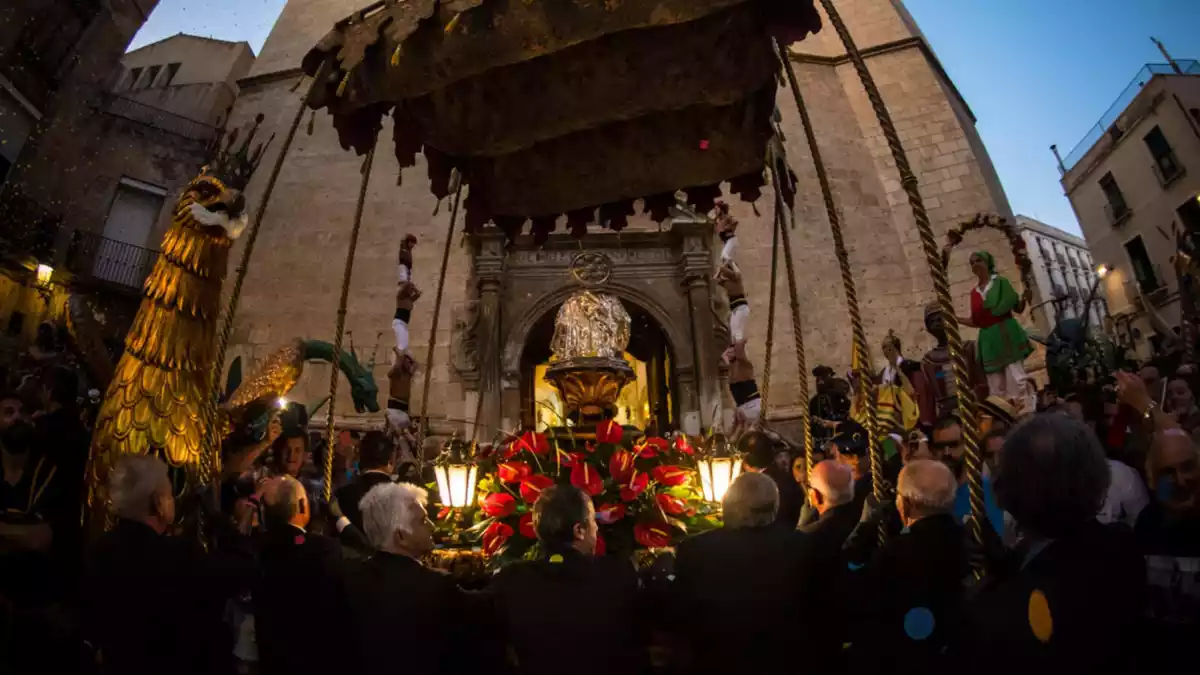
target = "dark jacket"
x: 830, y: 574
x: 299, y: 589
x: 349, y: 495
x: 791, y: 496
x: 742, y: 598
x: 154, y: 603
x: 908, y: 599
x: 403, y: 617
x: 572, y: 613
x: 1073, y: 606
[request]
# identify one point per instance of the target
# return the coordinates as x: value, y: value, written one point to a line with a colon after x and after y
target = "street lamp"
x: 456, y: 474
x: 1102, y: 271
x: 719, y: 464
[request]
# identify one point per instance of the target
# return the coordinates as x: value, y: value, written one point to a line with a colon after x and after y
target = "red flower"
x: 585, y: 477
x: 671, y: 475
x: 443, y: 513
x: 682, y: 445
x: 495, y: 536
x: 569, y: 459
x: 671, y: 504
x: 600, y: 546
x: 589, y: 446
x: 620, y: 465
x: 650, y: 535
x: 531, y: 487
x: 607, y: 514
x: 513, y: 472
x: 609, y: 431
x: 498, y: 504
x: 525, y: 526
x: 533, y: 442
x: 656, y: 444
x: 635, y: 487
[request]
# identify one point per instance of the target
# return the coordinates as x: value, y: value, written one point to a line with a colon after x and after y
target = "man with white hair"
x: 154, y: 602
x: 751, y: 562
x: 396, y: 607
x: 908, y: 597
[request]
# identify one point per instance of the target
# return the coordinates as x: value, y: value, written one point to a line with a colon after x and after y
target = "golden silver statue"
x: 590, y: 324
x: 591, y: 332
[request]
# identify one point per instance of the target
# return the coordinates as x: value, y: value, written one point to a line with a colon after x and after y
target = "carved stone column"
x: 489, y: 277
x: 696, y: 261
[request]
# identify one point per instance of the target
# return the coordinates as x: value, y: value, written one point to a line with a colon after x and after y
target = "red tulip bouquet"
x: 644, y: 491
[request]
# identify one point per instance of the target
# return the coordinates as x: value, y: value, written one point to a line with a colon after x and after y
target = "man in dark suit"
x: 376, y: 456
x: 401, y: 616
x: 907, y: 600
x: 153, y: 603
x: 300, y: 585
x: 741, y: 596
x: 571, y: 611
x: 1072, y: 597
x: 760, y: 456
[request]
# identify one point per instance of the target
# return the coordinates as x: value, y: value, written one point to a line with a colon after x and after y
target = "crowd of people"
x: 1086, y: 557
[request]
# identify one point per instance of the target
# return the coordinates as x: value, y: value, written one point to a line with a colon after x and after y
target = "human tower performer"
x: 403, y: 365
x: 742, y: 384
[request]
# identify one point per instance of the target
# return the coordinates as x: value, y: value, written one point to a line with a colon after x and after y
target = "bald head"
x: 286, y: 502
x: 925, y: 488
x: 833, y: 485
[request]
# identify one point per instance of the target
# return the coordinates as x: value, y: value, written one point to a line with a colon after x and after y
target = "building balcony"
x: 97, y: 259
x: 1167, y: 169
x: 157, y: 118
x: 1117, y: 213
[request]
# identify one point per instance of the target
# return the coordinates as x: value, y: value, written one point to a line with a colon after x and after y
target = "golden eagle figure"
x: 155, y: 399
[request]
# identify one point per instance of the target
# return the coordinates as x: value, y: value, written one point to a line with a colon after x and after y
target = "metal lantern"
x: 456, y: 474
x: 719, y: 464
x: 44, y: 273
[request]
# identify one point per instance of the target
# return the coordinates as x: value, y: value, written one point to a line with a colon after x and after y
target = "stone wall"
x: 293, y: 284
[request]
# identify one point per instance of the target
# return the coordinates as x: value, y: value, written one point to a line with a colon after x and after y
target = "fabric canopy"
x: 552, y: 107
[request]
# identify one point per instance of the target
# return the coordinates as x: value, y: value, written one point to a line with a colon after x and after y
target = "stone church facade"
x: 494, y: 298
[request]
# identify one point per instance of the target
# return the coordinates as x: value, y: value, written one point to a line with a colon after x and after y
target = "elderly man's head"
x: 752, y: 501
x: 1054, y: 476
x: 565, y: 519
x: 831, y: 484
x: 1174, y: 470
x: 286, y: 503
x: 140, y: 490
x: 395, y: 521
x: 925, y: 488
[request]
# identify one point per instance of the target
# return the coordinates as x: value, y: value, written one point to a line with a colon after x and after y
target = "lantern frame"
x: 457, y: 474
x: 719, y: 464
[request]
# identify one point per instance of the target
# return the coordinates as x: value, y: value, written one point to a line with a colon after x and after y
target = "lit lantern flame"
x: 44, y: 272
x: 719, y: 464
x: 456, y: 475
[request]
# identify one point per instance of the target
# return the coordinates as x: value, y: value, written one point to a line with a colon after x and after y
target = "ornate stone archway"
x: 665, y: 273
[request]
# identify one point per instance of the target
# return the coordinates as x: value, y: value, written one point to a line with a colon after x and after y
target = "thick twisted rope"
x: 937, y: 270
x: 794, y: 300
x: 210, y: 457
x: 423, y: 430
x: 858, y: 334
x: 766, y: 375
x: 340, y: 331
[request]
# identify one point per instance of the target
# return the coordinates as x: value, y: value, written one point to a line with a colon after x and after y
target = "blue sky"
x: 1035, y: 72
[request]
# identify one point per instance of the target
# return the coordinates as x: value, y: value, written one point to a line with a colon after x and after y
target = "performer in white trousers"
x: 742, y: 384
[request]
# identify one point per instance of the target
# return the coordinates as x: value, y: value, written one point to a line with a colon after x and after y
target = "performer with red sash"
x: 1003, y: 345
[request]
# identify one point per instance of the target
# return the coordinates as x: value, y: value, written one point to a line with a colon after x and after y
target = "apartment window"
x: 1143, y: 270
x: 1116, y: 208
x: 134, y: 75
x: 152, y: 75
x: 172, y: 69
x: 1189, y: 214
x: 1165, y: 165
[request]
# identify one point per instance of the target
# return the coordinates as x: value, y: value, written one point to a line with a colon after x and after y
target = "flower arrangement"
x: 644, y: 491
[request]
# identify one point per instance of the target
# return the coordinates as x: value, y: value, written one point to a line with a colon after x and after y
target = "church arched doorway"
x: 647, y: 402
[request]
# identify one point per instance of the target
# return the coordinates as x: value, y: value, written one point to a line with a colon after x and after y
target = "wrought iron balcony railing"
x: 97, y: 258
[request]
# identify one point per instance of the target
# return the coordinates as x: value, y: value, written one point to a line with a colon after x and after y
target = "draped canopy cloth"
x: 576, y: 107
